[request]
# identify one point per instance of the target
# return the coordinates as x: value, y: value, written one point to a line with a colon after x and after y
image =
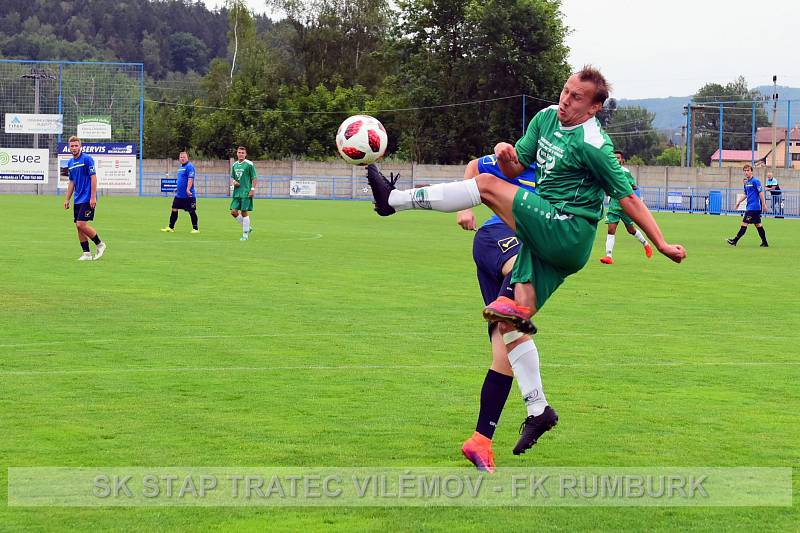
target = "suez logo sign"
x: 6, y: 158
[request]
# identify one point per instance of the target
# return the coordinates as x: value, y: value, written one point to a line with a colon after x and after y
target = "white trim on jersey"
x: 592, y: 134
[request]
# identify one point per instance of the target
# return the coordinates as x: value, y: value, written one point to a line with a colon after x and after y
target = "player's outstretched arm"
x: 636, y: 209
x: 507, y: 159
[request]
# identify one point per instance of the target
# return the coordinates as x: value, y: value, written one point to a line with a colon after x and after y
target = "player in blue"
x: 83, y: 182
x: 185, y: 197
x: 495, y: 248
x: 754, y: 194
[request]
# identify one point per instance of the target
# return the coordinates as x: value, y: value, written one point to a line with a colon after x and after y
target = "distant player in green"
x: 615, y: 214
x: 576, y: 167
x: 243, y: 179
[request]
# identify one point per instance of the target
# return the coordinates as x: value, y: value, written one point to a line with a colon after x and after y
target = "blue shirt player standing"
x: 754, y: 195
x: 83, y: 183
x: 185, y: 197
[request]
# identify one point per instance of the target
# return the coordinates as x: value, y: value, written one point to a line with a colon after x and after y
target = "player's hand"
x: 466, y: 219
x: 189, y: 193
x: 92, y: 202
x: 252, y: 192
x: 235, y: 183
x: 66, y: 204
x: 506, y: 153
x: 675, y: 252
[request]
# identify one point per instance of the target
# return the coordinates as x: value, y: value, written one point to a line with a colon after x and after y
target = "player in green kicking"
x: 243, y: 179
x: 615, y: 214
x: 576, y: 168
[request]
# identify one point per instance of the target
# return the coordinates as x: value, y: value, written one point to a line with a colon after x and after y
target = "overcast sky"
x: 650, y: 49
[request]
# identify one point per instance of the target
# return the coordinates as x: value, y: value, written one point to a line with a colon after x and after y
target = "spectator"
x: 775, y: 191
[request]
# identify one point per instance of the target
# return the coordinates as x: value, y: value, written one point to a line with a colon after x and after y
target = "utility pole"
x: 774, y: 114
x: 683, y: 138
x: 36, y: 75
x: 690, y: 162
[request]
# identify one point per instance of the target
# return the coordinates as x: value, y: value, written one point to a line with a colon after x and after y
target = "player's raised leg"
x: 448, y: 197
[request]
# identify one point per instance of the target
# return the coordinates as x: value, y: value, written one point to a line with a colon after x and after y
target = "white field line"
x: 145, y: 338
x: 218, y: 369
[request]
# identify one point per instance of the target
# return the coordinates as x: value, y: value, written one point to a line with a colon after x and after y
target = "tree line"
x: 446, y: 77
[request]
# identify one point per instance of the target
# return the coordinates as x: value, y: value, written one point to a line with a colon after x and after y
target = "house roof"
x: 733, y: 155
x: 764, y: 135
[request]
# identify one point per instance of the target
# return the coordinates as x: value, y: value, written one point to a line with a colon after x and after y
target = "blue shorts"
x: 752, y: 217
x: 82, y: 212
x: 492, y: 246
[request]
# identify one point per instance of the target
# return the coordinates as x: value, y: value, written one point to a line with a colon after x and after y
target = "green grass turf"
x: 200, y: 350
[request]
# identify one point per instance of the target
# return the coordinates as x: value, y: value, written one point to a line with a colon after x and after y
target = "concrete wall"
x: 340, y: 180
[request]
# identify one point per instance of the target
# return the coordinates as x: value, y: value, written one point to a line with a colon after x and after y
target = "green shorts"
x: 554, y: 245
x: 613, y: 216
x: 241, y: 204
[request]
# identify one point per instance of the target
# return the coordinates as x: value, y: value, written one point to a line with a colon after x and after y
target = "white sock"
x: 246, y: 224
x: 239, y: 219
x: 524, y: 360
x: 447, y: 197
x: 610, y: 244
x: 640, y: 237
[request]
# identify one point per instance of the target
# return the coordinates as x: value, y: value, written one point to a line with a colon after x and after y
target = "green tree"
x: 469, y: 50
x: 631, y: 129
x: 737, y: 121
x: 670, y: 157
x: 187, y: 52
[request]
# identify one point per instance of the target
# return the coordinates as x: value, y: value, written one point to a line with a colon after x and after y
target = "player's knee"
x: 631, y: 230
x: 234, y: 213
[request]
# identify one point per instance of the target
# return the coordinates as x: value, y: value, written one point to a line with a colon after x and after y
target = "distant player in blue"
x: 185, y: 197
x: 495, y: 248
x: 83, y: 182
x: 754, y: 194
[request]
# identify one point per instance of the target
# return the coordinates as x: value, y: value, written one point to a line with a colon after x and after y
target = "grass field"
x: 336, y: 338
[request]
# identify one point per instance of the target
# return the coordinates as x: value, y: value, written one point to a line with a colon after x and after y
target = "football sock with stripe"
x: 445, y: 197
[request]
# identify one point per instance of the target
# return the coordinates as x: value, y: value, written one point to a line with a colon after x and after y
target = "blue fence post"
x: 753, y: 137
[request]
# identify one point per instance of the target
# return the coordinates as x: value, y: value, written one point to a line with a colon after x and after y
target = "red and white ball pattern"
x: 361, y: 140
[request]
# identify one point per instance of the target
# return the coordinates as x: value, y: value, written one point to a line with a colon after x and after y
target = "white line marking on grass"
x: 379, y: 367
x: 409, y: 334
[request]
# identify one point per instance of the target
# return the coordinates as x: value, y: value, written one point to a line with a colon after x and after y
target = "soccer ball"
x: 361, y: 140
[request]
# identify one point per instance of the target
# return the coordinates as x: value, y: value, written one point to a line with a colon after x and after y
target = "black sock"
x: 96, y: 239
x: 494, y: 394
x: 173, y: 218
x: 85, y: 246
x: 739, y: 235
x: 762, y: 234
x: 193, y: 216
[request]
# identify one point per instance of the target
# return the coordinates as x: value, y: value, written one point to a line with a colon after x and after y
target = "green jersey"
x: 245, y: 174
x: 576, y: 166
x: 613, y: 203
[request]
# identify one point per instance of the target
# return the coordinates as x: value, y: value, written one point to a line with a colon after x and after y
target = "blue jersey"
x: 527, y: 180
x: 752, y: 188
x: 81, y: 169
x: 185, y: 173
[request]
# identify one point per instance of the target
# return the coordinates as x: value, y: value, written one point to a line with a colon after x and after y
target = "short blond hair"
x: 74, y: 138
